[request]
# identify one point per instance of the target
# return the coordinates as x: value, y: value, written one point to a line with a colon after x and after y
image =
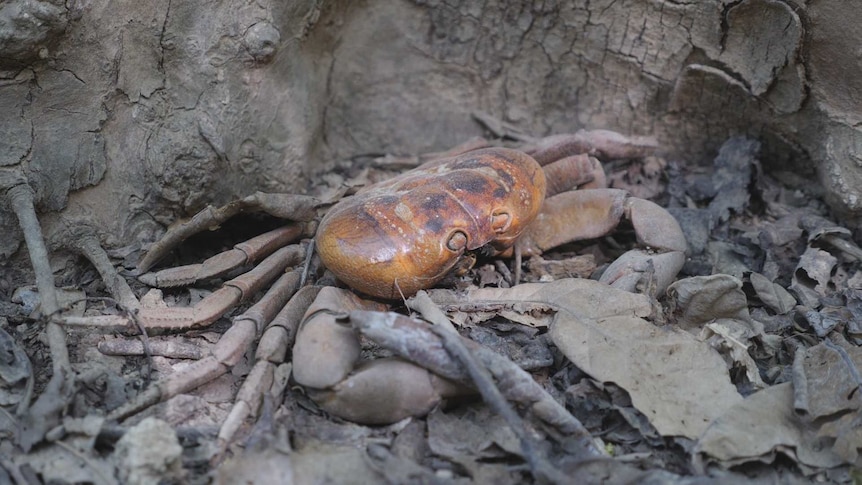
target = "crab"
x: 385, y: 243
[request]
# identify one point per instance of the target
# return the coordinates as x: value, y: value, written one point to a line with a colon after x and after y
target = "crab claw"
x: 588, y: 214
x: 384, y: 391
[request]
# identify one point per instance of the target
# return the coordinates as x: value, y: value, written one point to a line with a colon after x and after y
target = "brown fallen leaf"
x: 847, y: 432
x: 680, y: 383
x: 313, y: 462
x: 677, y: 381
x: 758, y: 429
x: 536, y: 304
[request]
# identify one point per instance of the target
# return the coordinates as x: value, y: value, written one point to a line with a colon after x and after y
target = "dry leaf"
x: 772, y: 294
x: 823, y: 382
x: 812, y: 275
x: 702, y: 299
x: 150, y: 452
x: 535, y: 304
x: 759, y: 428
x: 678, y: 382
x: 734, y: 337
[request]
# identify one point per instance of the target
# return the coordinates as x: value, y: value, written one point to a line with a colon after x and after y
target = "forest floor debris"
x: 747, y: 368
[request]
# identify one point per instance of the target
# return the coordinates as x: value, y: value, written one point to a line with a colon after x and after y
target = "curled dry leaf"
x: 677, y: 381
x: 702, y: 299
x: 819, y: 227
x: 733, y: 337
x: 718, y: 306
x: 812, y: 275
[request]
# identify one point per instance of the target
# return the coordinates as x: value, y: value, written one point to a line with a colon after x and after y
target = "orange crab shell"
x: 402, y: 235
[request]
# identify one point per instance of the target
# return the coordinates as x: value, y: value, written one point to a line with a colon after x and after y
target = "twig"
x: 429, y: 310
x: 306, y: 265
x: 542, y: 469
x: 848, y: 247
x: 414, y: 341
x: 10, y: 467
x: 130, y: 316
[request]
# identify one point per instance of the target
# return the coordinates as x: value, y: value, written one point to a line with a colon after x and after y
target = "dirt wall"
x: 129, y: 115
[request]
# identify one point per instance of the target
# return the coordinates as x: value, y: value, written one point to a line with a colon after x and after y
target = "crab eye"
x: 500, y: 222
x: 457, y: 241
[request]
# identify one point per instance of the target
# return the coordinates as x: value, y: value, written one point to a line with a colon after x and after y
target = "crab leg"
x: 274, y: 343
x: 588, y: 214
x: 576, y: 171
x: 82, y: 239
x: 228, y: 296
x: 226, y: 353
x: 603, y: 144
x: 298, y: 208
x: 244, y: 253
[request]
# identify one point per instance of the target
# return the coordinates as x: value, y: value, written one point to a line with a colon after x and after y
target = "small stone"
x: 150, y: 453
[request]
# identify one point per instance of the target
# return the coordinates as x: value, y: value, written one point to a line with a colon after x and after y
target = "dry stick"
x: 848, y: 247
x: 541, y: 468
x: 119, y: 322
x: 163, y: 348
x: 14, y: 471
x: 21, y: 198
x: 306, y: 265
x: 412, y: 340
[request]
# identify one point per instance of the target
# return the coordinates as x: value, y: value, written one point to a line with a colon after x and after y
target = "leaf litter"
x: 746, y: 369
